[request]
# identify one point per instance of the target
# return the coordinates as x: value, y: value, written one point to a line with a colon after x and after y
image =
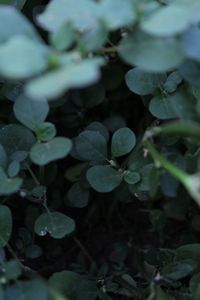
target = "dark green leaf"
x: 123, y: 141
x: 56, y: 224
x: 104, y: 179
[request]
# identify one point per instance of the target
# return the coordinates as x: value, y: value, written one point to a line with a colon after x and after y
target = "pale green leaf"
x: 20, y: 57
x: 151, y: 54
x: 74, y: 75
x: 57, y: 148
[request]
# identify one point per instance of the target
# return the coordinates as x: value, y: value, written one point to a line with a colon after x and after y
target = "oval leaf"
x: 43, y: 153
x: 123, y: 141
x: 56, y: 224
x: 104, y: 179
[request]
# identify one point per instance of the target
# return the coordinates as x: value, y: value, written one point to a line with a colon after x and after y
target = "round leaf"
x: 56, y: 224
x: 161, y: 108
x: 167, y: 21
x: 77, y: 196
x: 15, y: 137
x: 143, y: 83
x: 43, y: 153
x: 45, y: 131
x: 91, y: 145
x: 30, y: 112
x: 10, y: 185
x: 104, y: 179
x: 21, y: 57
x: 123, y: 141
x: 151, y: 54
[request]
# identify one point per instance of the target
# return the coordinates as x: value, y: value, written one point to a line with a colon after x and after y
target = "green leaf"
x: 15, y: 62
x: 3, y: 157
x: 160, y: 294
x: 191, y: 44
x: 45, y: 131
x: 191, y: 72
x: 178, y: 270
x: 91, y: 145
x: 151, y: 54
x: 123, y: 141
x: 82, y: 14
x: 104, y: 179
x: 131, y: 177
x: 43, y: 153
x: 5, y: 225
x: 100, y: 128
x: 143, y: 83
x: 10, y: 186
x: 65, y: 282
x: 14, y: 23
x: 12, y: 270
x: 73, y: 75
x: 33, y: 289
x: 72, y: 285
x: 30, y: 112
x: 116, y: 13
x: 13, y: 168
x: 56, y: 224
x: 15, y: 137
x: 161, y: 108
x: 62, y: 38
x: 168, y: 21
x: 172, y: 82
x: 189, y: 251
x: 77, y: 196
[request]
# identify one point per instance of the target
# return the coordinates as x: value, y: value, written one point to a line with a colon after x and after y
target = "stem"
x: 85, y: 252
x: 32, y: 174
x: 185, y: 129
x: 158, y: 158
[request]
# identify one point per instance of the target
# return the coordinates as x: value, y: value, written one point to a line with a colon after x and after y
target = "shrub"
x: 99, y: 149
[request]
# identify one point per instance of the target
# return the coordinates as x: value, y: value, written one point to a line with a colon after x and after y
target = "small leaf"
x: 43, y: 153
x: 13, y: 168
x: 5, y: 225
x: 172, y: 82
x: 30, y: 112
x: 77, y: 196
x: 15, y: 137
x: 62, y: 38
x: 56, y: 224
x: 123, y: 141
x: 161, y: 108
x: 91, y: 145
x: 143, y: 83
x: 131, y: 177
x: 45, y: 131
x: 104, y: 179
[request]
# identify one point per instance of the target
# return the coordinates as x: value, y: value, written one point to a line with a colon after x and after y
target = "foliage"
x: 99, y: 149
